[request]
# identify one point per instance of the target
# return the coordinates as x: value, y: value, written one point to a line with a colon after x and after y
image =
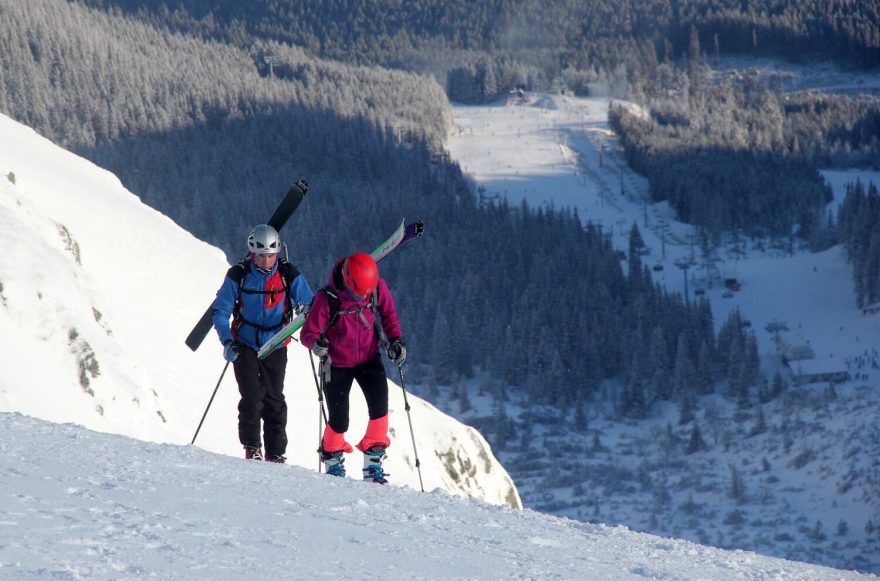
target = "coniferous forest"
x: 480, y: 50
x: 209, y: 110
x: 198, y: 132
x: 859, y: 227
x: 702, y: 133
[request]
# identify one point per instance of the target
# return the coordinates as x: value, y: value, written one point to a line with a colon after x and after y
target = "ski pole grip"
x: 326, y: 363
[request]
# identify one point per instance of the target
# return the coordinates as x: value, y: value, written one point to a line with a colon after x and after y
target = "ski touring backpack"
x: 334, y: 304
x: 287, y: 271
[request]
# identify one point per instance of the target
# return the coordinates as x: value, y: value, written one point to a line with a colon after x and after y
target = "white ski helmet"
x: 264, y: 239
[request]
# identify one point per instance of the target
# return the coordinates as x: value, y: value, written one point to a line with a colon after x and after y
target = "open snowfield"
x: 77, y: 504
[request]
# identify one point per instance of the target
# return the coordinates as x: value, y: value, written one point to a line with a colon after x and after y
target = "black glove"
x: 397, y: 351
x: 230, y: 351
x: 321, y: 347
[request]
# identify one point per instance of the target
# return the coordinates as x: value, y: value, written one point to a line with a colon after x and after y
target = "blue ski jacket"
x: 259, y: 305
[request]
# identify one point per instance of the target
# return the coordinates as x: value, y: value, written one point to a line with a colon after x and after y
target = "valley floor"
x: 807, y: 459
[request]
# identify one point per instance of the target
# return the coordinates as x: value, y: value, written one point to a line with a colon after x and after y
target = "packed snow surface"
x: 78, y: 504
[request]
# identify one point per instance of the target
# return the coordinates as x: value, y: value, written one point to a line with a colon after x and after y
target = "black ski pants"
x: 261, y: 385
x: 370, y: 377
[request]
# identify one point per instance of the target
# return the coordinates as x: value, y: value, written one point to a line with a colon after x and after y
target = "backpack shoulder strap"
x: 377, y: 319
x: 237, y: 272
x: 288, y: 272
x: 332, y: 303
x: 374, y: 300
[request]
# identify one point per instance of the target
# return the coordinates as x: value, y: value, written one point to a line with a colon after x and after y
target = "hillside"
x: 198, y: 131
x: 80, y: 504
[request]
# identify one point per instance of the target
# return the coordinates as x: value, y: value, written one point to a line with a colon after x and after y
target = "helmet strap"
x: 352, y: 294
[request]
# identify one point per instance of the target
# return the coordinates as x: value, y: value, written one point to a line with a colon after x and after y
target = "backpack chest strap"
x: 333, y: 304
x: 274, y: 291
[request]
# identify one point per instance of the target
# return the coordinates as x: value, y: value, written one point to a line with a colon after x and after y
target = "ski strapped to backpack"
x: 404, y: 233
x: 288, y: 205
x: 287, y: 271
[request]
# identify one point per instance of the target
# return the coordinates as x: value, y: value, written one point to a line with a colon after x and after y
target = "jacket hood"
x: 335, y: 278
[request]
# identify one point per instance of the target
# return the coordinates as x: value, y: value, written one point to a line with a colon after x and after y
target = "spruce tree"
x: 696, y: 442
x: 659, y: 362
x: 705, y: 374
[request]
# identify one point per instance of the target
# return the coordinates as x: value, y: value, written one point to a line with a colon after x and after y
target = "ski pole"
x: 411, y: 433
x: 210, y: 401
x: 322, y: 414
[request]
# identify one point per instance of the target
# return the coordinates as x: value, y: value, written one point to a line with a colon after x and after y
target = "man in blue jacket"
x: 260, y: 293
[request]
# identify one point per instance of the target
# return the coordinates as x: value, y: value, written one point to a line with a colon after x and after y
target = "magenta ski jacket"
x: 353, y: 337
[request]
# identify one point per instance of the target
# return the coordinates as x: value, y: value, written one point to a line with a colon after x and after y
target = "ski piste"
x: 288, y: 205
x: 404, y: 233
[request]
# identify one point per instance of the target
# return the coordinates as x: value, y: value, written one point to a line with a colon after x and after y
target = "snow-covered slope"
x: 98, y: 291
x: 77, y: 504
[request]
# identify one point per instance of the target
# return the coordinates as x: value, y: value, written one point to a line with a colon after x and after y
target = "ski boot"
x: 373, y: 459
x: 253, y: 453
x: 334, y: 463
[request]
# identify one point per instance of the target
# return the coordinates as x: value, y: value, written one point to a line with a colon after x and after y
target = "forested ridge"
x: 696, y: 142
x: 490, y: 46
x: 703, y: 127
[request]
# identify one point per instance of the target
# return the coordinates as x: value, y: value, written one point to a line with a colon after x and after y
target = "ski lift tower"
x: 684, y: 266
x: 273, y: 61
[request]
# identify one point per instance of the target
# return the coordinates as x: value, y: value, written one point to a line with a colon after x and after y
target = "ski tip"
x: 418, y: 228
x: 301, y: 185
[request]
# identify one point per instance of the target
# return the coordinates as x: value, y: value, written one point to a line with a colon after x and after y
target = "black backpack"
x: 237, y: 272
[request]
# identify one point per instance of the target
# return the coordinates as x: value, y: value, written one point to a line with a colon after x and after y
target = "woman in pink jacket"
x: 342, y: 325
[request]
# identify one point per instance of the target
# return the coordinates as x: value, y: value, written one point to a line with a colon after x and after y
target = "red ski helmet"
x: 360, y: 274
